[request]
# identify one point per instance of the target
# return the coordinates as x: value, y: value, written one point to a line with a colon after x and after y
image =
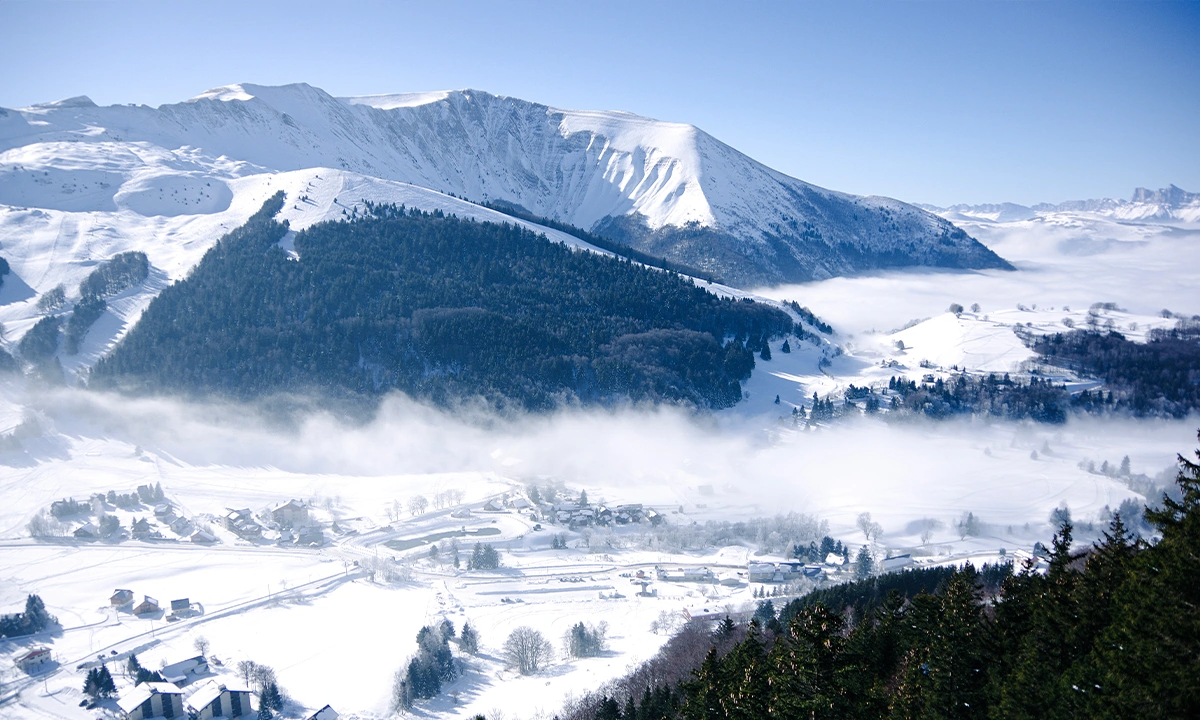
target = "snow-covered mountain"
x: 666, y: 188
x: 1164, y: 205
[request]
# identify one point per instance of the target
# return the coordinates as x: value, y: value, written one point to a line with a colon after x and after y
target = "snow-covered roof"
x: 141, y: 693
x: 34, y: 653
x: 325, y: 713
x: 210, y: 691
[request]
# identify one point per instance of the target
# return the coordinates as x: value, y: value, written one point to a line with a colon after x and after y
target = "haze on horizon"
x: 924, y: 102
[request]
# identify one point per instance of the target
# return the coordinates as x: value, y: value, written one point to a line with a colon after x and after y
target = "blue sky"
x: 935, y: 102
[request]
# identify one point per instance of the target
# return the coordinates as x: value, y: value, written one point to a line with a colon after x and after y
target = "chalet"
x: 834, y: 560
x: 898, y: 562
x: 33, y: 660
x: 148, y: 606
x: 121, y: 598
x: 760, y: 572
x: 492, y: 506
x: 181, y: 608
x: 180, y: 526
x: 242, y: 523
x: 185, y: 671
x: 310, y: 537
x: 140, y: 528
x: 325, y: 713
x: 203, y: 538
x: 216, y: 700
x: 162, y: 510
x: 290, y: 513
x: 521, y: 504
x: 152, y: 700
x: 87, y: 531
x: 461, y: 513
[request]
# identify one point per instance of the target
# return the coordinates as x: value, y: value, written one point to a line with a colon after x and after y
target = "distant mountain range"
x: 667, y: 189
x: 1167, y: 204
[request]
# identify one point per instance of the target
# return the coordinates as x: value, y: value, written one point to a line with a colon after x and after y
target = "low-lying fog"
x: 1007, y: 474
x: 1060, y: 261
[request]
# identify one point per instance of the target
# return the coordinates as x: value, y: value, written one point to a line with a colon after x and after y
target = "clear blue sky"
x: 936, y: 102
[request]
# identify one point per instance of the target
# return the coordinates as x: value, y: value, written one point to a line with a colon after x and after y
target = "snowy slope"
x: 167, y: 205
x: 581, y: 167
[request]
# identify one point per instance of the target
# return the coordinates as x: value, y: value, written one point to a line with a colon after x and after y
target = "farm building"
x: 291, y: 513
x: 87, y: 531
x: 325, y: 713
x: 185, y: 671
x: 140, y: 528
x: 898, y: 562
x: 152, y: 700
x: 461, y: 513
x: 701, y: 574
x: 148, y: 606
x: 492, y: 506
x: 703, y: 614
x: 216, y: 700
x: 203, y: 538
x: 33, y: 660
x: 180, y: 526
x: 121, y: 598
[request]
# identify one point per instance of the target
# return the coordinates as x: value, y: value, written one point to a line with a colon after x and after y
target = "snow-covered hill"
x: 668, y: 188
x: 179, y: 209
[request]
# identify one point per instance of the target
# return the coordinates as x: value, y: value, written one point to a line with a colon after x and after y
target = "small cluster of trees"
x: 34, y: 620
x: 585, y: 640
x: 133, y: 668
x: 447, y: 498
x: 423, y: 675
x: 483, y: 557
x: 815, y: 553
x: 99, y: 683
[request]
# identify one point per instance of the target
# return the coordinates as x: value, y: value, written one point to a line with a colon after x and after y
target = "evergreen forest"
x: 1108, y: 631
x: 440, y: 308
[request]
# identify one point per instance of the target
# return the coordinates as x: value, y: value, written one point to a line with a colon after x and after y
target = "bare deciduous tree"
x: 417, y: 504
x: 527, y: 650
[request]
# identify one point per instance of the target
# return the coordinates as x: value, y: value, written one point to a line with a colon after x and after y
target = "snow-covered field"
x: 337, y: 621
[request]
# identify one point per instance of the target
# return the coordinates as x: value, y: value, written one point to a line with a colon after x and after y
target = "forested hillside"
x: 440, y: 308
x: 1111, y: 632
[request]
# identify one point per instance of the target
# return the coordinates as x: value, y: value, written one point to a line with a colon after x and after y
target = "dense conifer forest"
x: 440, y: 308
x: 1110, y: 631
x: 1158, y: 377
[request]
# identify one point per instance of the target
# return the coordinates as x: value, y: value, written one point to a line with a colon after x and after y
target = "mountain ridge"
x: 591, y: 169
x: 1169, y: 203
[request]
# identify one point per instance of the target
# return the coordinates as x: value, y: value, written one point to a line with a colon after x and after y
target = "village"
x: 554, y: 549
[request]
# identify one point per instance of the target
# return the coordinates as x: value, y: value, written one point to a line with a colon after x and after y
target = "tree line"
x: 1109, y: 631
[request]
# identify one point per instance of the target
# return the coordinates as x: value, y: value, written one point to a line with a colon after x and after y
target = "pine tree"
x: 864, y: 564
x: 609, y: 709
x: 468, y: 639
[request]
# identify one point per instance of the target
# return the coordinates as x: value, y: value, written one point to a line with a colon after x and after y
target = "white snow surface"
x: 571, y: 165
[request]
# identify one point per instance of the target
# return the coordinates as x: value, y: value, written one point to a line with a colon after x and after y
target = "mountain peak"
x: 666, y: 188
